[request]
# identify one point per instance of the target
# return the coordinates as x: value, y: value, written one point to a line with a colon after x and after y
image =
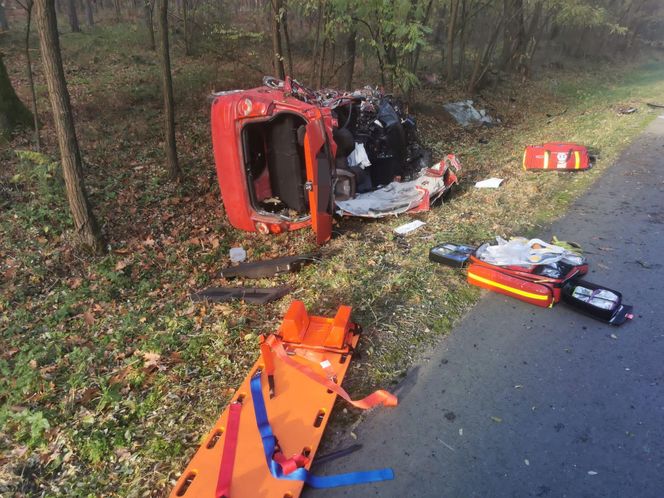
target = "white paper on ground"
x: 408, y: 227
x: 489, y: 183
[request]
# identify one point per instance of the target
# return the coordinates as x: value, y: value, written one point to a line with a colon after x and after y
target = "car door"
x: 319, y: 179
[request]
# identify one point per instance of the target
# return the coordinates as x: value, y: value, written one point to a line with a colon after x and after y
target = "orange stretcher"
x: 300, y: 371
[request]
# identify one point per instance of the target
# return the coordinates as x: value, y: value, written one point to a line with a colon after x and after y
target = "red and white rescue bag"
x: 558, y: 156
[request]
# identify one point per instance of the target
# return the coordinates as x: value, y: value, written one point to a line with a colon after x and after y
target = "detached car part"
x: 267, y: 268
x: 253, y: 295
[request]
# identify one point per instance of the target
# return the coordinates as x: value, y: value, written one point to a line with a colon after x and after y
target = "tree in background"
x: 89, y: 13
x: 4, y: 25
x: 12, y: 111
x: 148, y: 9
x: 27, y: 6
x: 167, y: 88
x: 85, y: 224
x: 73, y: 16
x: 277, y: 51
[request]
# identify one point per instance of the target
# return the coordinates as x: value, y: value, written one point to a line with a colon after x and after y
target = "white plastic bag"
x: 520, y: 251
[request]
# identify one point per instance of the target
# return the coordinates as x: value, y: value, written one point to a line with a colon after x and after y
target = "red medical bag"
x: 560, y: 156
x: 536, y: 285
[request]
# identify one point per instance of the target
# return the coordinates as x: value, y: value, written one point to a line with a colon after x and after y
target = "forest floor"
x: 111, y: 375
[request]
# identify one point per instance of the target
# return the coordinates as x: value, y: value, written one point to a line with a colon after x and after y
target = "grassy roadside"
x: 110, y: 375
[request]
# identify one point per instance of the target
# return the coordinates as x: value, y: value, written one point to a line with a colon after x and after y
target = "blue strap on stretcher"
x: 302, y: 474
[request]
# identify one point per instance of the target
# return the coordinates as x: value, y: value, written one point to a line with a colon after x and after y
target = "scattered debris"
x: 408, y: 227
x: 568, y: 245
x: 489, y: 183
x: 656, y: 106
x: 626, y: 110
x: 592, y: 473
x: 268, y: 268
x: 466, y: 115
x: 497, y: 420
x: 328, y: 457
x: 237, y: 254
x: 253, y: 295
x: 401, y: 197
x: 445, y: 444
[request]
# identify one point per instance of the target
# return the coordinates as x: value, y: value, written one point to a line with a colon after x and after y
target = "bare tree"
x: 514, y: 34
x: 27, y: 6
x: 284, y: 27
x: 451, y: 34
x: 277, y: 54
x: 483, y: 59
x: 85, y: 224
x: 314, y: 57
x: 349, y: 62
x: 89, y: 13
x: 4, y: 25
x: 167, y: 87
x: 73, y: 16
x: 148, y: 9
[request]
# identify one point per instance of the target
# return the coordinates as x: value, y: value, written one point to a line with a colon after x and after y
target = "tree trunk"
x: 532, y: 40
x: 28, y: 66
x: 418, y: 49
x: 12, y: 111
x: 73, y: 17
x: 451, y: 32
x: 514, y: 34
x: 349, y: 63
x: 167, y: 87
x: 284, y: 26
x: 117, y: 10
x: 316, y: 43
x: 321, y: 66
x: 483, y: 60
x: 462, y: 38
x: 85, y: 224
x: 186, y: 27
x: 147, y: 12
x: 89, y: 13
x: 4, y: 25
x: 277, y: 57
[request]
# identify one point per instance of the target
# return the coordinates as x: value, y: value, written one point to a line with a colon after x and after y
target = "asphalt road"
x: 522, y: 401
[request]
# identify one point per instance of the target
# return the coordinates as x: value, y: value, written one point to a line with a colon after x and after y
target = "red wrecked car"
x: 287, y: 157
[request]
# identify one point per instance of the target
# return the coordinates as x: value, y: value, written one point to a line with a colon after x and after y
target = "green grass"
x: 110, y: 375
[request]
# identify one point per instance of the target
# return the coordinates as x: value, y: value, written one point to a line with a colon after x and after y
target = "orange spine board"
x: 298, y: 413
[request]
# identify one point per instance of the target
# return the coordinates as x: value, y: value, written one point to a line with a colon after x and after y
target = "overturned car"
x: 288, y: 157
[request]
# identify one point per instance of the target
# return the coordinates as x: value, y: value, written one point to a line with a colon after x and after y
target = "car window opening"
x: 275, y: 165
